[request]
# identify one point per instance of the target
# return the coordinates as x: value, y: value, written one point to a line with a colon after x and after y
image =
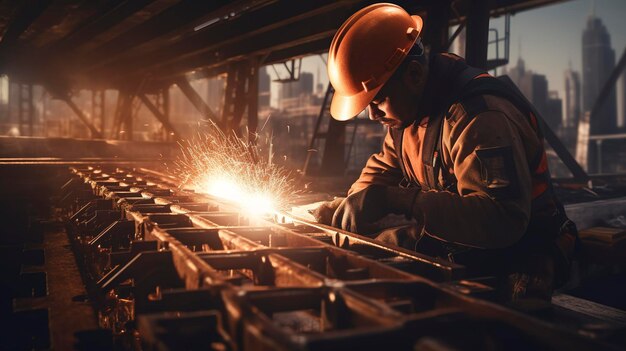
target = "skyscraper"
x: 535, y: 88
x: 598, y: 63
x: 554, y: 110
x: 572, y: 99
x: 569, y: 125
x: 621, y: 90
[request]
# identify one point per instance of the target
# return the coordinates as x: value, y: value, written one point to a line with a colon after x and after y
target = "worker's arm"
x: 492, y: 207
x: 381, y: 168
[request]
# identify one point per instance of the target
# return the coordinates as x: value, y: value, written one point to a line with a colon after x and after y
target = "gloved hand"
x: 324, y: 213
x: 359, y: 210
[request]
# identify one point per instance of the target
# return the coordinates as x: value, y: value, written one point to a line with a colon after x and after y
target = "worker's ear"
x: 415, y: 76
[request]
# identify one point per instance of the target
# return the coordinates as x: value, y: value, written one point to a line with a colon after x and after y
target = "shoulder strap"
x: 397, y: 136
x: 431, y: 148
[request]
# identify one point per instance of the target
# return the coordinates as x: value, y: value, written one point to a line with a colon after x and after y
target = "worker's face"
x: 397, y: 103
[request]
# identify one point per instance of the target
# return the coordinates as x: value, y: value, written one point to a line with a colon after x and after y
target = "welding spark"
x: 230, y: 168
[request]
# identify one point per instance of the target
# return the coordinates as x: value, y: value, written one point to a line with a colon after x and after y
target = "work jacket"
x: 494, y: 178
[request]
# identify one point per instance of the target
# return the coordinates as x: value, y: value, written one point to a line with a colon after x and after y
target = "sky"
x: 549, y: 37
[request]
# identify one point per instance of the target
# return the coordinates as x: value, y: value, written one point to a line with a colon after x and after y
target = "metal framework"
x: 241, y: 96
x: 160, y: 109
x: 98, y: 109
x: 25, y: 109
x: 106, y: 44
x: 95, y: 133
x: 196, y: 100
x: 191, y: 271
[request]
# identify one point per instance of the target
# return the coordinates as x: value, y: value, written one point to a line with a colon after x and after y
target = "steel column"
x: 253, y: 100
x: 98, y: 108
x: 241, y: 94
x: 25, y: 111
x: 333, y: 159
x: 123, y: 122
x: 436, y: 26
x: 240, y: 98
x: 229, y: 91
x: 477, y: 39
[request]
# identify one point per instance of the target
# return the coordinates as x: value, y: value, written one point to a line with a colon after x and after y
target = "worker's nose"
x: 374, y: 112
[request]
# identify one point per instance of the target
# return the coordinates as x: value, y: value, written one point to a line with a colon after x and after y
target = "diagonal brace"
x: 195, y: 99
x: 159, y: 115
x: 95, y: 132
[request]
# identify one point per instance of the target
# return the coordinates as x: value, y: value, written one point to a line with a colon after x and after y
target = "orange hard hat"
x: 365, y: 52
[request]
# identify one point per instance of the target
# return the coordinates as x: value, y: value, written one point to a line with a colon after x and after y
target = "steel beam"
x: 25, y: 14
x: 174, y: 17
x: 304, y: 19
x: 110, y: 18
x: 477, y: 30
x: 436, y: 25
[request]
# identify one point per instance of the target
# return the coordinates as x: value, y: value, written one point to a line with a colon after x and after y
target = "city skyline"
x: 548, y: 38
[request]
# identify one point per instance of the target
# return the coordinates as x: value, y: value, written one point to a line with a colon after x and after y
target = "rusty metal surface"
x: 171, y: 269
x: 107, y: 43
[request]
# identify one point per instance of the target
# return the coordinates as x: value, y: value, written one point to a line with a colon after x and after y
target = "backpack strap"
x: 397, y: 135
x: 431, y: 148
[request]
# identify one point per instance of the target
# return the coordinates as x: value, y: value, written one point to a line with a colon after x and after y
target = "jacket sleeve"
x: 492, y: 207
x: 381, y: 168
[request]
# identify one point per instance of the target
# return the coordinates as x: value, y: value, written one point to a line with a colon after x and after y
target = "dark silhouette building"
x: 535, y: 88
x: 598, y: 63
x: 621, y: 115
x: 554, y: 110
x: 568, y: 131
x: 572, y: 98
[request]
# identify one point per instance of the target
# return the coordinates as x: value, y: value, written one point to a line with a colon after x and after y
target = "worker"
x: 463, y: 157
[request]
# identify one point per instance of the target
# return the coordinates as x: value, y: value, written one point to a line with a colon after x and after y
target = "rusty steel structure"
x: 168, y: 269
x: 144, y: 47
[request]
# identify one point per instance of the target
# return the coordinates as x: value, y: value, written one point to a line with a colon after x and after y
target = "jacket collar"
x: 443, y: 69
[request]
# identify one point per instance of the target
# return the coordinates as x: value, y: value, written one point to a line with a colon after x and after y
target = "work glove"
x: 324, y: 213
x: 360, y: 210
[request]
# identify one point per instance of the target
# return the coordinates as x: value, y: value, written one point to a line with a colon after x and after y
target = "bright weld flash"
x: 253, y: 203
x: 228, y: 167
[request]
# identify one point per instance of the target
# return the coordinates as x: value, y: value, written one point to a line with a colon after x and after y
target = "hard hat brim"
x: 343, y: 108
